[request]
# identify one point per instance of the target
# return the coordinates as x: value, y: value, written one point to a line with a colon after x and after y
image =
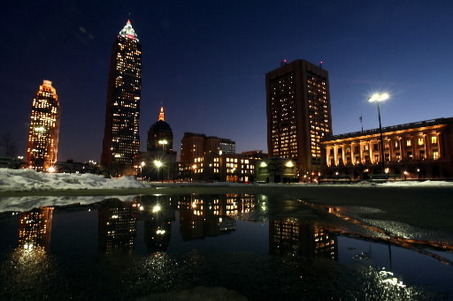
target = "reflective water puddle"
x: 237, y: 247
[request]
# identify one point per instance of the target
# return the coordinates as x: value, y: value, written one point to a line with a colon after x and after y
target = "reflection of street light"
x: 378, y: 97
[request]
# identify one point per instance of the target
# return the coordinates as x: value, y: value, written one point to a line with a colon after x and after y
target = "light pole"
x: 378, y: 97
x: 142, y: 164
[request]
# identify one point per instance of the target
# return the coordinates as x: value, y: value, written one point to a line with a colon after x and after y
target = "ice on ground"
x: 27, y: 203
x: 31, y: 180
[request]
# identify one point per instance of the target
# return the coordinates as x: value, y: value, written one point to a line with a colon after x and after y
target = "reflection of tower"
x: 35, y: 228
x: 121, y: 135
x: 295, y: 238
x: 117, y: 226
x: 157, y: 234
x: 44, y: 129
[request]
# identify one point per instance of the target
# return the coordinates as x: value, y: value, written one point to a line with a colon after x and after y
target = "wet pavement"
x: 230, y: 246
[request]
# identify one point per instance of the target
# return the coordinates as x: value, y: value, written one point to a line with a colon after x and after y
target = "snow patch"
x: 31, y: 180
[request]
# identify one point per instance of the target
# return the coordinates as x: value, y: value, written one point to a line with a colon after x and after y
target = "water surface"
x: 238, y: 246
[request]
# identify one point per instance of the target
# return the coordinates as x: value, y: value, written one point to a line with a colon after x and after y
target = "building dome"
x: 160, y: 135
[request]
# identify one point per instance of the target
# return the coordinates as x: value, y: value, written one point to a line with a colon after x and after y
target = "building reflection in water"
x: 35, y: 229
x: 294, y: 237
x: 157, y: 213
x: 211, y: 215
x: 29, y: 267
x: 117, y: 226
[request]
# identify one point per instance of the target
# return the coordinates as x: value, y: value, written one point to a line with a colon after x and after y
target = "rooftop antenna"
x: 321, y: 62
x: 361, y: 121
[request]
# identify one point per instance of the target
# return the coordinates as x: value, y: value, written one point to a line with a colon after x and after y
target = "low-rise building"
x: 419, y: 150
x: 219, y: 167
x: 276, y: 170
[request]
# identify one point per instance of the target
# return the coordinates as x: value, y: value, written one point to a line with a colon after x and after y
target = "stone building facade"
x: 419, y: 150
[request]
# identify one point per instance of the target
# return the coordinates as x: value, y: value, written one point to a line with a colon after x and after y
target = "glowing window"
x: 435, y: 155
x: 434, y: 139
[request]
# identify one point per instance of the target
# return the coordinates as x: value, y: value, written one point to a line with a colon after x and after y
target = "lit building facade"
x: 419, y: 150
x: 44, y: 129
x: 210, y: 158
x: 196, y: 145
x: 121, y: 135
x: 275, y: 170
x: 298, y: 114
x: 220, y: 167
x: 158, y: 163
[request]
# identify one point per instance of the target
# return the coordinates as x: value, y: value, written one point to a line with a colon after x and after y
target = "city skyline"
x: 206, y: 62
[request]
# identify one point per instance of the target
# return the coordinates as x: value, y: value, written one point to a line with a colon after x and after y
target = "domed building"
x: 158, y: 163
x: 160, y: 135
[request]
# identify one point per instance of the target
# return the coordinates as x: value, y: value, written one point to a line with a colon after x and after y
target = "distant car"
x: 15, y: 163
x: 76, y: 167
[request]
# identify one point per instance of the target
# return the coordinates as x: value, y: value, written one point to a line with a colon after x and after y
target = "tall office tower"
x: 298, y: 114
x: 121, y: 135
x: 160, y: 135
x: 44, y: 130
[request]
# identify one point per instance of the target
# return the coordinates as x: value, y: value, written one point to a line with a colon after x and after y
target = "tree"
x: 9, y: 145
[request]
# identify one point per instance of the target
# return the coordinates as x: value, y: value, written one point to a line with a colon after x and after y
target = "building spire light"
x: 128, y: 31
x: 162, y: 114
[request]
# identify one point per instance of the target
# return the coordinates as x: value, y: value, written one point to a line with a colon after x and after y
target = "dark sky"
x: 206, y: 62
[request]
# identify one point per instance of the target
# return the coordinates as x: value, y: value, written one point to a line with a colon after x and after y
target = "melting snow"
x: 30, y: 180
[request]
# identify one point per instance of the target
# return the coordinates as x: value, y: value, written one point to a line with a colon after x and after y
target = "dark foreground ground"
x: 424, y: 207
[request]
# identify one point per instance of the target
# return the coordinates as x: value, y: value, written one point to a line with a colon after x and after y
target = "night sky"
x: 206, y: 62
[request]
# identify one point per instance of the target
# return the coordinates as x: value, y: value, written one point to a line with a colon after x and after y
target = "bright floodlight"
x: 158, y: 163
x: 378, y: 97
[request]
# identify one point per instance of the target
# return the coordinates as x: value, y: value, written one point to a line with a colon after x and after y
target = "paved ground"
x: 425, y: 207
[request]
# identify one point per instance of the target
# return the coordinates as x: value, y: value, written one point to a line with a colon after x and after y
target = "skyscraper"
x: 298, y: 114
x: 121, y: 134
x: 44, y: 129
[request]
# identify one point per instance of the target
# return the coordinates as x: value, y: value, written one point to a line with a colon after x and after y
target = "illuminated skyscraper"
x: 44, y: 130
x: 121, y: 135
x: 298, y: 114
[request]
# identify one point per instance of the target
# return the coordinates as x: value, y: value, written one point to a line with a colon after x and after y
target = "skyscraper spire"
x: 161, y: 114
x: 128, y: 31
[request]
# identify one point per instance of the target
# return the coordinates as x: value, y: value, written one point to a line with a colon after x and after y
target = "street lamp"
x: 142, y: 164
x: 378, y: 97
x: 163, y: 143
x: 158, y: 164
